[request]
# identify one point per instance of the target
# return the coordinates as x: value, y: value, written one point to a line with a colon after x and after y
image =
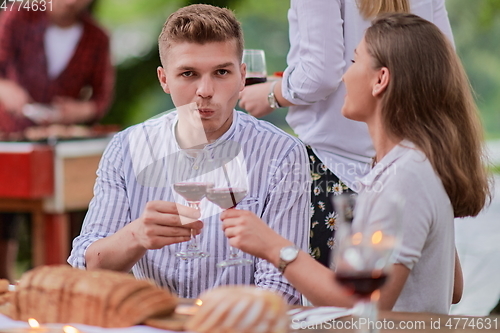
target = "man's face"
x: 210, y: 75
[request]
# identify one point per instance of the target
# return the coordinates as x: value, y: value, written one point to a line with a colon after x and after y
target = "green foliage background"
x: 475, y: 26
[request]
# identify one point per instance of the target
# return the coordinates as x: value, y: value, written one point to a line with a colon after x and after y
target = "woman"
x: 340, y: 149
x: 407, y: 84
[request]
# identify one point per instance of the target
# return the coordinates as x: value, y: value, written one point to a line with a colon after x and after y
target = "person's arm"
x: 286, y: 211
x: 110, y: 238
x: 316, y: 70
x: 72, y: 111
x: 318, y: 65
x: 458, y: 284
x: 390, y: 292
x: 159, y: 226
x: 441, y: 19
x: 254, y: 98
x: 12, y: 96
x: 250, y: 234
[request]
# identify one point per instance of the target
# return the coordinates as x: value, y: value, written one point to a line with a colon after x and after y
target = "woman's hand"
x: 253, y: 99
x: 250, y: 234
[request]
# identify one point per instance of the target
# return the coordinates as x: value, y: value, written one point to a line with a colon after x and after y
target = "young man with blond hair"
x: 133, y: 221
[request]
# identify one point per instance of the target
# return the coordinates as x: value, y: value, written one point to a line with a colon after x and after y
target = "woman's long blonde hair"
x: 429, y: 101
x: 371, y: 8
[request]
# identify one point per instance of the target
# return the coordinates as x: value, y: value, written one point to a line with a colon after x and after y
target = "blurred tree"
x: 476, y: 42
x: 490, y: 9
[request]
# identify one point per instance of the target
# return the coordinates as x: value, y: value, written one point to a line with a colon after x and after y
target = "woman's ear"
x: 380, y: 86
x: 162, y: 77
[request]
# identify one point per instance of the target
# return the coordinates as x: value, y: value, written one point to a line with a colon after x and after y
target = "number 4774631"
x: 29, y: 5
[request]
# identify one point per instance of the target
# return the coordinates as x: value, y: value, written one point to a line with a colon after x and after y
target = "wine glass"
x: 191, y: 183
x: 256, y: 66
x: 365, y: 251
x: 230, y: 187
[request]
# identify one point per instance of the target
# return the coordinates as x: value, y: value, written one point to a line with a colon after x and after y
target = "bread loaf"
x: 61, y: 294
x: 240, y: 309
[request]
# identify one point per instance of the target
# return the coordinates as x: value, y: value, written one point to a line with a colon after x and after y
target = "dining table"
x: 388, y: 322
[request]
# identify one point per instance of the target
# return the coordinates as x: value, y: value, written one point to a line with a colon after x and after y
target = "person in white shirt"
x: 134, y: 223
x: 323, y: 35
x: 408, y: 85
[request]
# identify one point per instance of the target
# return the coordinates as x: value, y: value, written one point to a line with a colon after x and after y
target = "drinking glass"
x: 365, y: 251
x: 191, y: 183
x: 256, y: 66
x: 230, y: 187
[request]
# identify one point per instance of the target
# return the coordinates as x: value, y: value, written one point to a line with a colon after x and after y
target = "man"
x: 56, y: 56
x: 133, y: 221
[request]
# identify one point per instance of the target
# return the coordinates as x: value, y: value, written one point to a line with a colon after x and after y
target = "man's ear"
x: 383, y: 79
x: 162, y: 77
x: 243, y: 70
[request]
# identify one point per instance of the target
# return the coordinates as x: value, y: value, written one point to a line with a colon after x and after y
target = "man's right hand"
x: 163, y: 223
x: 13, y: 97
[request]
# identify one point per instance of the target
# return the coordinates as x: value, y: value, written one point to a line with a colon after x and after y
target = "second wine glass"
x: 230, y: 188
x: 256, y: 66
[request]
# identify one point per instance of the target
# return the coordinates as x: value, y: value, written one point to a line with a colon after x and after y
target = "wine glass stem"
x: 234, y: 252
x: 368, y: 310
x: 193, y: 243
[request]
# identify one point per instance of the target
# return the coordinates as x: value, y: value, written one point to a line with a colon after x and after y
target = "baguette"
x: 103, y: 298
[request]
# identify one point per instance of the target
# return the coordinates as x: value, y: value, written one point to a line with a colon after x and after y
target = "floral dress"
x: 323, y: 217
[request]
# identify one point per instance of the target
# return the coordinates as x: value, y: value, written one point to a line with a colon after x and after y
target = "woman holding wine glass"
x: 323, y: 35
x: 408, y: 85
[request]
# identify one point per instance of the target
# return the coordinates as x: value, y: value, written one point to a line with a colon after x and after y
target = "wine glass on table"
x: 230, y: 188
x: 365, y: 252
x: 256, y: 66
x: 192, y: 184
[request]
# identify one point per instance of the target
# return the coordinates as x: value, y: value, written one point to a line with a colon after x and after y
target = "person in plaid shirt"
x: 58, y: 57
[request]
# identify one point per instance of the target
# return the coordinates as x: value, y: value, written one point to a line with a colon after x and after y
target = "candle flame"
x: 70, y: 329
x: 33, y: 323
x: 377, y: 237
x: 198, y: 302
x: 375, y: 296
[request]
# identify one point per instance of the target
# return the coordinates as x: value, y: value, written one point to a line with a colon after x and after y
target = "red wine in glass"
x: 226, y: 198
x: 192, y: 192
x: 362, y: 284
x: 254, y: 80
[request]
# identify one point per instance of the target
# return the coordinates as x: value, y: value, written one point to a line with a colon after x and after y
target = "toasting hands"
x: 163, y: 223
x: 250, y: 234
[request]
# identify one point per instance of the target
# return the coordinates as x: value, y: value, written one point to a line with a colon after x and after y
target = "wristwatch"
x: 287, y: 255
x: 271, y: 98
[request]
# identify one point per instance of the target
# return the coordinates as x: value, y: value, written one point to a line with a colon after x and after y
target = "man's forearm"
x: 118, y: 252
